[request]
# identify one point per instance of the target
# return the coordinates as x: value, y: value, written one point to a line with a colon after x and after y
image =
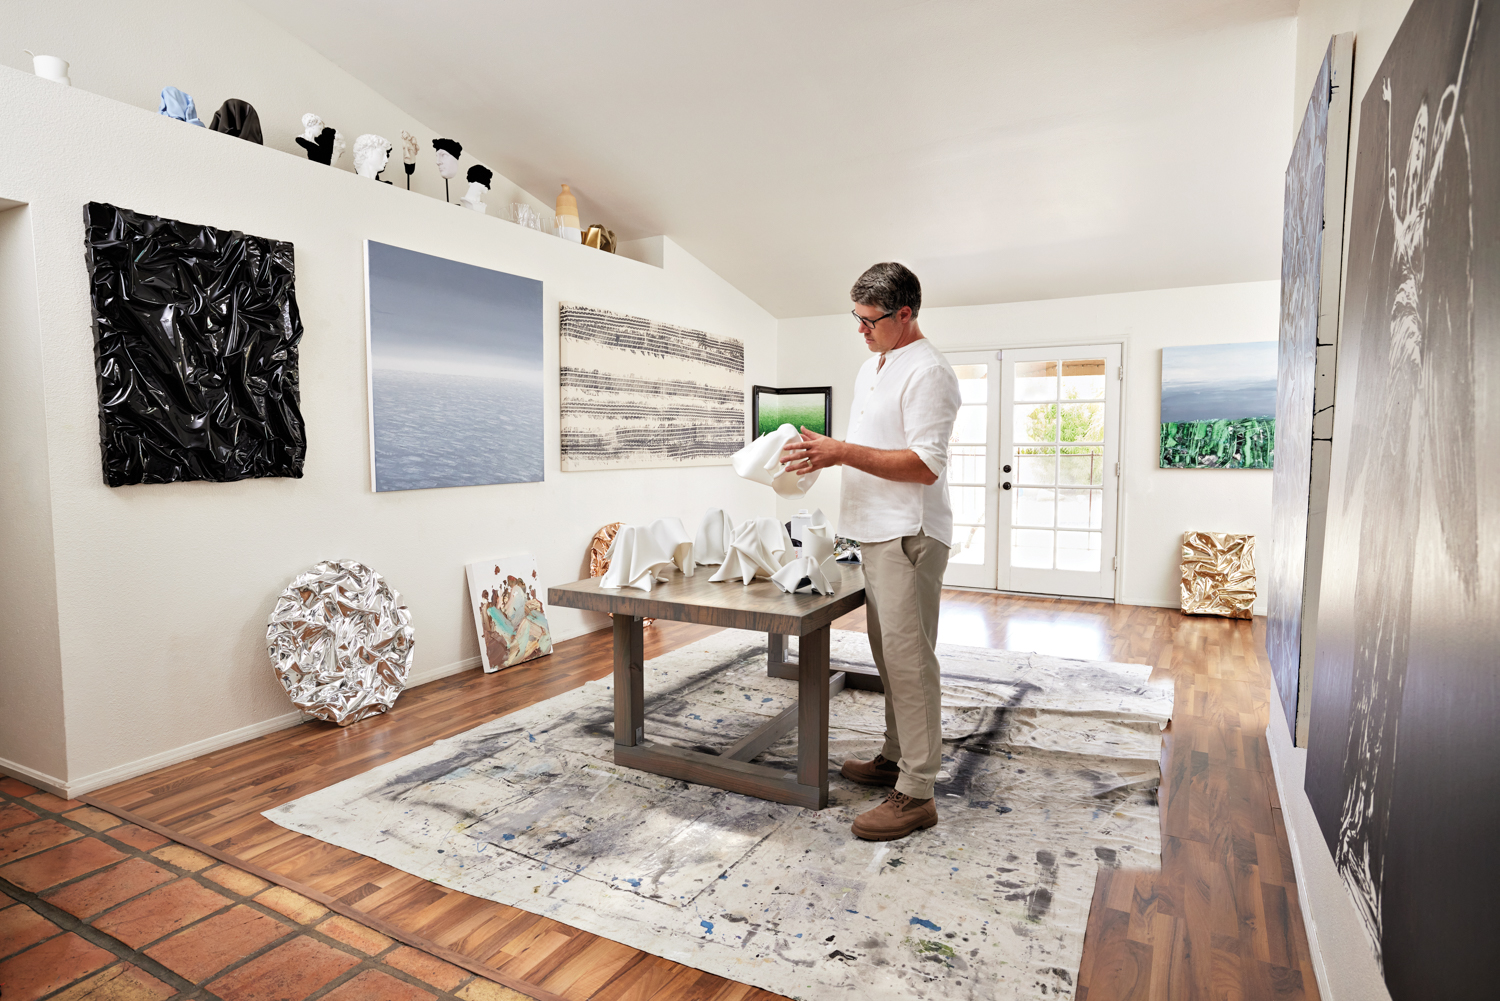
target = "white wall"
x: 30, y: 685
x: 1156, y: 505
x: 164, y: 590
x: 224, y: 49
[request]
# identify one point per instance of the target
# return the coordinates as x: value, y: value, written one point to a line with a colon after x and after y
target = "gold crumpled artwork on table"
x: 1218, y: 574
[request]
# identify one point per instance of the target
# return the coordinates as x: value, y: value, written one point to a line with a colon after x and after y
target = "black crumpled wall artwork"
x: 195, y: 346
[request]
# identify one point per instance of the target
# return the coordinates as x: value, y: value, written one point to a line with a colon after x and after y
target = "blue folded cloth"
x: 176, y: 104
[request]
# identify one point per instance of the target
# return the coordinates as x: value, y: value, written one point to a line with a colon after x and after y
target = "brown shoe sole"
x: 878, y: 779
x: 894, y: 835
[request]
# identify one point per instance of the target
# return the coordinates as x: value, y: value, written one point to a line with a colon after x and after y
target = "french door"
x: 1034, y: 470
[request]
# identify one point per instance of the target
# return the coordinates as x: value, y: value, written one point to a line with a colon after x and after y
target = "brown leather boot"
x: 897, y: 817
x: 878, y: 772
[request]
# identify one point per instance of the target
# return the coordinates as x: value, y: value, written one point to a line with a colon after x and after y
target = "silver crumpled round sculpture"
x: 341, y: 642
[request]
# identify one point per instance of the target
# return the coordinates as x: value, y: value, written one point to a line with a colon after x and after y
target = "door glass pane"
x: 1031, y: 549
x: 1082, y: 422
x: 1036, y: 466
x: 1096, y: 509
x: 968, y: 505
x: 973, y: 383
x: 1073, y: 508
x: 1035, y: 423
x: 966, y: 464
x: 1078, y: 551
x: 1036, y: 380
x: 1033, y: 507
x: 1083, y: 380
x: 968, y: 545
x: 970, y: 425
x: 1081, y: 467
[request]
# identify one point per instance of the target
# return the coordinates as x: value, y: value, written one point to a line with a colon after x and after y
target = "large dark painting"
x: 195, y: 349
x: 1311, y: 252
x: 1403, y: 767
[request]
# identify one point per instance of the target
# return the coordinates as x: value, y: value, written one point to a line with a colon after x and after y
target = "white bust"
x: 447, y: 164
x: 370, y: 155
x: 338, y: 147
x: 479, y: 182
x: 312, y: 126
x: 408, y: 147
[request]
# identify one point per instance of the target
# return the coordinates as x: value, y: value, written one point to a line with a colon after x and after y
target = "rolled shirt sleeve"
x: 930, y: 406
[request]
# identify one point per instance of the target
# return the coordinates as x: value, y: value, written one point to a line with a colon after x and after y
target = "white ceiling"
x: 1006, y: 151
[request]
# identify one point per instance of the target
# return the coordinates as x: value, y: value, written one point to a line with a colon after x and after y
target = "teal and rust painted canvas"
x: 1218, y: 406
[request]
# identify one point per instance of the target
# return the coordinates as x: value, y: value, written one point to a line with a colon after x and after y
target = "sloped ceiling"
x: 1004, y: 150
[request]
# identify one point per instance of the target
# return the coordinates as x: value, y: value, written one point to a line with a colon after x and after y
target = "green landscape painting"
x: 799, y: 408
x: 1218, y: 406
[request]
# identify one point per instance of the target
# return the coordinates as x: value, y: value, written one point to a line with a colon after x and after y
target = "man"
x: 895, y: 502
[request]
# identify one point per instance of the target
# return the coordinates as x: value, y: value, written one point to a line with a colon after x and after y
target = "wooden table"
x: 761, y: 607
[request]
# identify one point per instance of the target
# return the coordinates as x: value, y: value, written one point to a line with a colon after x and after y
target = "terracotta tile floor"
x: 96, y: 909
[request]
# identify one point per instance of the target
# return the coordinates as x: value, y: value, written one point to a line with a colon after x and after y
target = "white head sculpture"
x: 447, y: 156
x: 408, y: 147
x: 370, y: 155
x: 479, y: 182
x: 338, y: 147
x: 311, y: 126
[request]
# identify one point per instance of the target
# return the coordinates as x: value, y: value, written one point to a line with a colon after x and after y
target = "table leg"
x: 777, y: 664
x: 812, y: 713
x: 630, y: 681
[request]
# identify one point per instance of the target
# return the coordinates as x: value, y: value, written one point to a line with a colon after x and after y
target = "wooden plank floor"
x: 1220, y: 920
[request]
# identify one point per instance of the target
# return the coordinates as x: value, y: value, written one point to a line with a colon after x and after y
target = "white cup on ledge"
x: 50, y: 68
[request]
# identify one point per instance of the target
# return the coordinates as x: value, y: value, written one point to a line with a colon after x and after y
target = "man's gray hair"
x: 888, y: 286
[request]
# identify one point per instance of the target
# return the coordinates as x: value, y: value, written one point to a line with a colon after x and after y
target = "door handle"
x: 1005, y: 469
x: 1005, y: 485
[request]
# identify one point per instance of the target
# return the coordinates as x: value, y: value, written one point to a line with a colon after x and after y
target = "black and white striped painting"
x: 637, y: 393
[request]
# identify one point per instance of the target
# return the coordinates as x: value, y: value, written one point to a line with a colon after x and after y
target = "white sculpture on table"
x: 759, y: 548
x: 641, y: 554
x: 371, y: 153
x: 712, y: 543
x: 812, y: 571
x: 761, y: 461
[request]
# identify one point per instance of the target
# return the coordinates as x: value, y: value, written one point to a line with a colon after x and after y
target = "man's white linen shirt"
x: 909, y: 402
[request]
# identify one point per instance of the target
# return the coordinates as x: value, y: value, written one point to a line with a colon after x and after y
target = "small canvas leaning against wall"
x: 1218, y: 406
x: 455, y: 370
x: 1403, y: 772
x: 636, y: 393
x: 195, y: 348
x: 1312, y: 245
x: 510, y: 612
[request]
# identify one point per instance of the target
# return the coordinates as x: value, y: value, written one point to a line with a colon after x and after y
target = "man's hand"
x: 812, y: 451
x: 815, y: 451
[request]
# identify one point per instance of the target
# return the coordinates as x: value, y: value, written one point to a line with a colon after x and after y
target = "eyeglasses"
x: 867, y: 322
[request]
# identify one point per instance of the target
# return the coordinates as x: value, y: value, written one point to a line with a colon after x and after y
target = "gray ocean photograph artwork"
x: 455, y: 372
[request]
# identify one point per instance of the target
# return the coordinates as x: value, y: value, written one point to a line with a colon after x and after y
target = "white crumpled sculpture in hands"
x: 761, y: 461
x: 713, y: 538
x: 640, y: 554
x: 810, y: 573
x: 759, y: 548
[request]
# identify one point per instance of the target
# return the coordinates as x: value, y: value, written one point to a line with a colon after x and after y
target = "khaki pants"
x: 903, y: 592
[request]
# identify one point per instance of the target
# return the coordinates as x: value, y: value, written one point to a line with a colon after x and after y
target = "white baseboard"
x: 1343, y: 962
x: 41, y: 780
x: 141, y: 766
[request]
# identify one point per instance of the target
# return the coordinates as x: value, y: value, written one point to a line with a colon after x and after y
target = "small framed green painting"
x: 809, y: 407
x: 1218, y: 406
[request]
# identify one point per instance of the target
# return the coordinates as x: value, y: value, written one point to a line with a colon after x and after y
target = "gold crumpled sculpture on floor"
x: 1218, y: 574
